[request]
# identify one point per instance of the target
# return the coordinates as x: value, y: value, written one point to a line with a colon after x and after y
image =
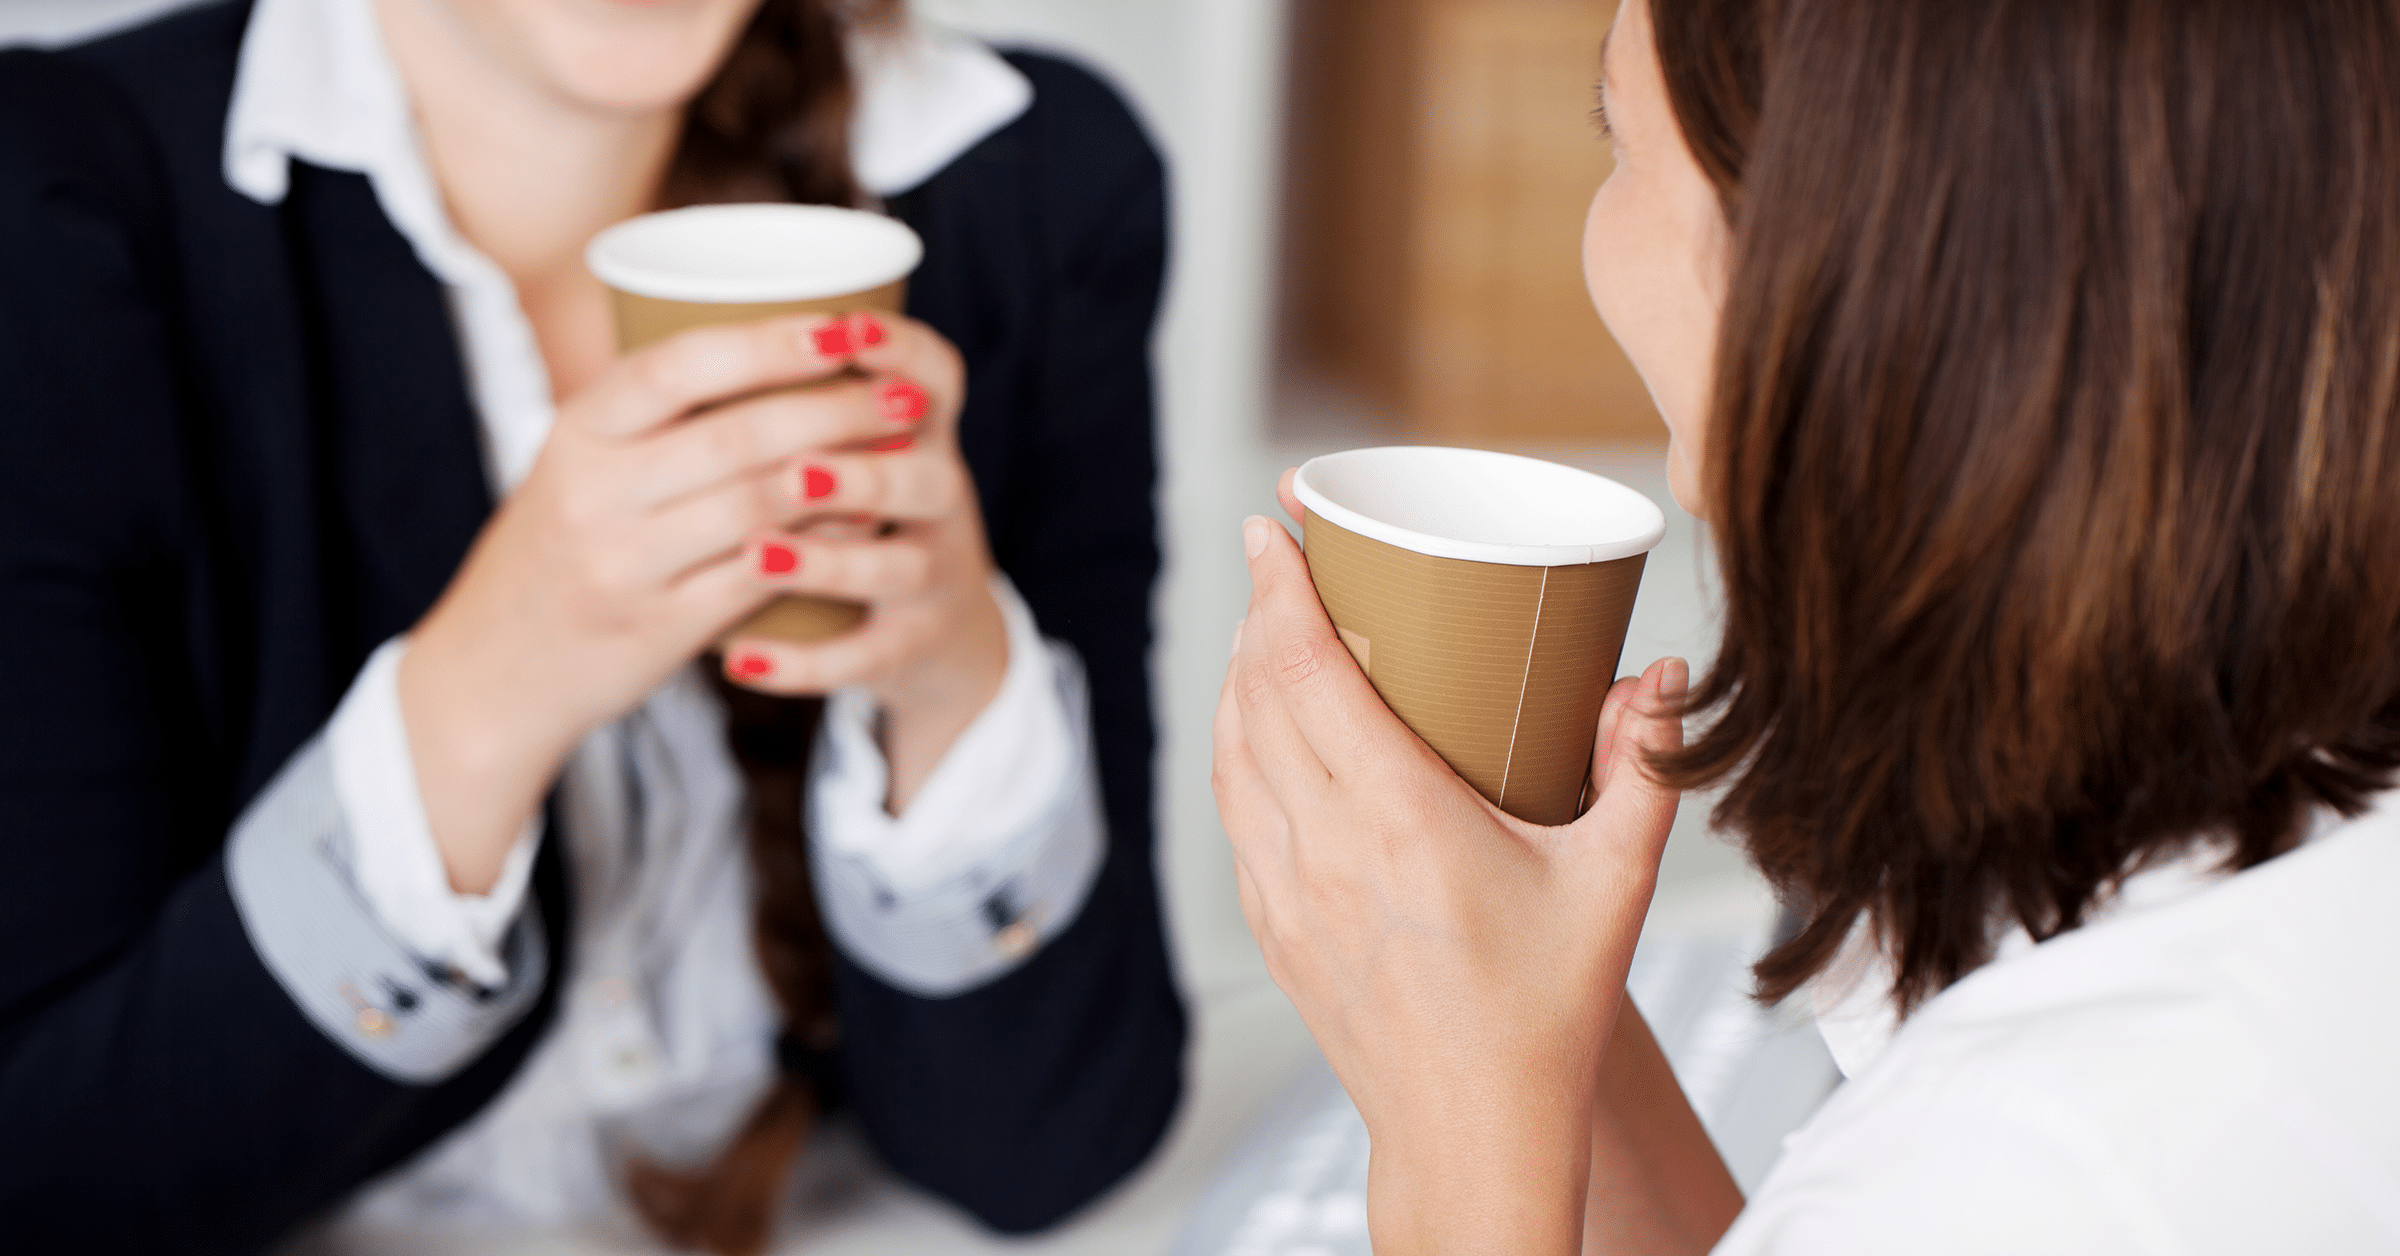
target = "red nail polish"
x: 893, y: 445
x: 816, y: 482
x: 748, y: 666
x: 870, y: 332
x: 833, y: 340
x: 903, y: 402
x: 775, y: 559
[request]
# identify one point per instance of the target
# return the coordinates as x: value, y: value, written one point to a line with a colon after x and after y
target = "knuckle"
x: 664, y: 368
x: 607, y: 570
x: 582, y: 506
x: 1222, y: 780
x: 729, y: 440
x: 763, y: 504
x: 1299, y: 662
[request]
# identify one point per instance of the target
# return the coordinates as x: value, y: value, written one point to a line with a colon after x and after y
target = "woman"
x: 372, y: 850
x: 2035, y: 364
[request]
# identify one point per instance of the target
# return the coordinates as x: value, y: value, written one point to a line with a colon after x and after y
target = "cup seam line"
x: 1508, y: 765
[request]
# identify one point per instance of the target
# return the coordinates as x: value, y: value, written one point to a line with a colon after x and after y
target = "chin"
x: 640, y: 80
x: 1683, y: 480
x: 639, y: 55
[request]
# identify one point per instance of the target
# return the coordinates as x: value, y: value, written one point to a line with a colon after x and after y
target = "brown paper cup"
x: 713, y: 265
x: 1486, y: 596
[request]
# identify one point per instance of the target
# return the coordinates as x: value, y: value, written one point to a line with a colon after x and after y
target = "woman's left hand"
x: 895, y: 525
x: 1460, y: 968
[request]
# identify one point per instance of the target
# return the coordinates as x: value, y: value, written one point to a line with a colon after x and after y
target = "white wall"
x: 1207, y: 76
x: 51, y: 21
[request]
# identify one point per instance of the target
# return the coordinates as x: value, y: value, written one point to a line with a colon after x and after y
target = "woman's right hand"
x: 1461, y: 968
x: 624, y: 552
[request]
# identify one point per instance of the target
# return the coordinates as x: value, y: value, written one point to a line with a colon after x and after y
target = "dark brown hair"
x: 774, y: 123
x: 2053, y: 449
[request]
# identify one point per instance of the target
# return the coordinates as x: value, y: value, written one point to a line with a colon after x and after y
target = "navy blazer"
x: 237, y: 453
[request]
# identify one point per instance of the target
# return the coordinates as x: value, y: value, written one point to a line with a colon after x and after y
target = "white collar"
x: 314, y: 82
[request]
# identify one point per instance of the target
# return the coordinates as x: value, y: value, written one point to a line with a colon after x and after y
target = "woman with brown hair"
x: 382, y: 840
x: 2038, y: 367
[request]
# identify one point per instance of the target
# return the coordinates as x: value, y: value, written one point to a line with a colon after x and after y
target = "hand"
x: 627, y: 548
x: 897, y: 527
x: 1460, y: 968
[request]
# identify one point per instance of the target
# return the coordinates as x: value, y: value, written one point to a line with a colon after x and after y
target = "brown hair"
x: 2052, y: 448
x: 774, y: 123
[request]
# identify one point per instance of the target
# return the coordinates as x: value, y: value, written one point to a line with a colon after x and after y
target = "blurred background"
x: 1378, y: 207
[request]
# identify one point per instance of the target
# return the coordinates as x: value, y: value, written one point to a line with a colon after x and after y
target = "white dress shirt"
x: 2205, y: 1068
x: 664, y: 1036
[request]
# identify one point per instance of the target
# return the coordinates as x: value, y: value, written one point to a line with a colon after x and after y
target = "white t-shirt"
x: 2211, y: 1066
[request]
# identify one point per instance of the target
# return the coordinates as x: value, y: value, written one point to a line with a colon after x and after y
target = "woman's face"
x: 632, y: 56
x: 1656, y: 250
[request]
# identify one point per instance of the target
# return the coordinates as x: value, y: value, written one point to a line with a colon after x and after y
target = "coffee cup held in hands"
x: 1486, y: 596
x: 713, y: 265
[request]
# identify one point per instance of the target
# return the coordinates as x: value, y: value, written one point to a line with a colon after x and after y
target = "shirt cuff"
x: 394, y: 862
x: 292, y: 873
x: 996, y: 853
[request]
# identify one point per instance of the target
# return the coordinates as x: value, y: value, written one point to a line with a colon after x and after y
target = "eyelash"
x: 1600, y: 110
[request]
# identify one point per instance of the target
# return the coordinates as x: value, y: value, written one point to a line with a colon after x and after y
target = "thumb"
x: 1641, y: 720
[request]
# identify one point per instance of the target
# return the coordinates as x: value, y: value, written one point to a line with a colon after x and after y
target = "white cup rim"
x: 1480, y: 505
x: 753, y: 254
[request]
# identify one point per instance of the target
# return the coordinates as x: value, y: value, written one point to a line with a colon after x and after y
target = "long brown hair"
x: 773, y: 123
x: 2053, y: 446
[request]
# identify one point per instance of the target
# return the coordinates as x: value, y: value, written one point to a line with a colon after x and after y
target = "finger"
x: 920, y: 377
x: 913, y: 482
x: 1259, y: 917
x: 1254, y: 821
x: 1290, y: 499
x: 1345, y: 724
x: 1612, y: 713
x: 712, y: 597
x: 1297, y: 779
x: 876, y: 570
x: 793, y: 669
x: 660, y: 384
x: 1631, y: 802
x: 715, y: 524
x: 751, y: 435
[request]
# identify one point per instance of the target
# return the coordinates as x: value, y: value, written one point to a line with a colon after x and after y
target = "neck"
x: 528, y: 175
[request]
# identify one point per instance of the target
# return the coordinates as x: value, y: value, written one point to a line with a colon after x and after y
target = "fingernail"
x: 903, y: 402
x: 1254, y: 536
x: 775, y: 559
x: 833, y: 340
x: 892, y: 445
x: 870, y: 331
x: 1674, y: 678
x: 748, y: 666
x: 1237, y: 638
x: 817, y: 482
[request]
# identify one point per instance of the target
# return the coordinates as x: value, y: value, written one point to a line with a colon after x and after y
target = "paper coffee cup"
x: 1486, y: 596
x: 712, y: 265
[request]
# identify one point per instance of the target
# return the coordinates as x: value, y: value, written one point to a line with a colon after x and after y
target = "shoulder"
x: 1078, y: 159
x: 184, y: 60
x: 117, y: 107
x: 58, y: 119
x: 1075, y: 107
x: 2132, y: 1096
